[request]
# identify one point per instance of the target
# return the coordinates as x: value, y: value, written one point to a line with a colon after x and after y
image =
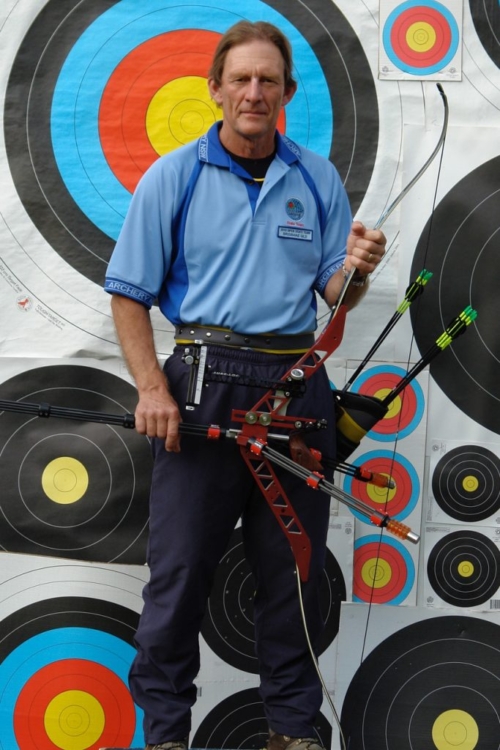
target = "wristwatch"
x: 357, y: 279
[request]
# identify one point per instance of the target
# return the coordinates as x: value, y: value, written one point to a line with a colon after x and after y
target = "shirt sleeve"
x: 337, y: 226
x: 141, y: 257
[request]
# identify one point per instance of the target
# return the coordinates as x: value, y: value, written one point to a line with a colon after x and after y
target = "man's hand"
x: 365, y: 248
x: 157, y: 415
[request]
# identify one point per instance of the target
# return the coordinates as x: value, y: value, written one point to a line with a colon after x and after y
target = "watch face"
x: 359, y: 280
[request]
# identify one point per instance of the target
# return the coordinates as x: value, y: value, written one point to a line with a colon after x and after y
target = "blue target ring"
x: 82, y: 643
x: 51, y: 647
x: 92, y: 60
x: 412, y: 400
x: 407, y: 491
x: 407, y: 576
x: 57, y: 122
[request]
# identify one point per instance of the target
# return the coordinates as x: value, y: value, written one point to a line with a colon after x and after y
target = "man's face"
x: 251, y: 94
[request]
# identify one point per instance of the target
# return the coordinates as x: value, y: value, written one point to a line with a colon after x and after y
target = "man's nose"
x: 254, y: 89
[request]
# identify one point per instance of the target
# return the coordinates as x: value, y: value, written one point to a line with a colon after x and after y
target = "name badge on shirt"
x: 295, y: 233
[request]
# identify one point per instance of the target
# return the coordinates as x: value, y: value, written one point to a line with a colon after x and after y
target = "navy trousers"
x: 197, y: 498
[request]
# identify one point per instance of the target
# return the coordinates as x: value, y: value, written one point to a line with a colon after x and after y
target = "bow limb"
x: 404, y: 192
x: 385, y: 215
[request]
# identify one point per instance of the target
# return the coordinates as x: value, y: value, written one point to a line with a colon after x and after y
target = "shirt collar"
x: 210, y: 149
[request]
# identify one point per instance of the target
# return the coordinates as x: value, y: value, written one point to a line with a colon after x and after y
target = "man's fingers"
x: 157, y: 422
x: 173, y: 443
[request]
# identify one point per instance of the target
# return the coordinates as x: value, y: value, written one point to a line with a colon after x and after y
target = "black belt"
x: 294, y: 343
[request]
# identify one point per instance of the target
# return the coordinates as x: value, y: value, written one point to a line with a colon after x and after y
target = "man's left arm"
x: 364, y: 250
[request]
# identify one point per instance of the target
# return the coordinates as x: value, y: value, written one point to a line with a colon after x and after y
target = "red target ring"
x: 402, y: 410
x: 398, y: 501
x: 176, y: 57
x: 128, y: 93
x: 380, y: 573
x: 421, y: 36
x: 53, y: 710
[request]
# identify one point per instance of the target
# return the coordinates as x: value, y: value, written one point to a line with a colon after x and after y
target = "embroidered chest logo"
x: 295, y: 209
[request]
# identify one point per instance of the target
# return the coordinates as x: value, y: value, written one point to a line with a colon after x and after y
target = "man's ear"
x: 289, y: 93
x: 214, y: 91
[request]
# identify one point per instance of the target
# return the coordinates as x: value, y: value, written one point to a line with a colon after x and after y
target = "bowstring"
x: 442, y: 141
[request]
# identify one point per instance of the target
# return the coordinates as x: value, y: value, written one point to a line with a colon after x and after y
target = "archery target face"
x: 486, y: 18
x: 102, y: 89
x: 461, y: 252
x: 464, y: 483
x: 228, y: 627
x: 433, y: 685
x: 384, y: 572
x: 398, y: 502
x: 463, y: 568
x: 481, y: 74
x: 63, y: 676
x: 405, y: 411
x: 239, y: 722
x: 420, y: 39
x: 72, y: 488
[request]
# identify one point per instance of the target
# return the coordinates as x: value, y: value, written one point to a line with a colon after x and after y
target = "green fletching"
x: 415, y: 288
x: 424, y: 276
x: 468, y: 315
x: 456, y: 327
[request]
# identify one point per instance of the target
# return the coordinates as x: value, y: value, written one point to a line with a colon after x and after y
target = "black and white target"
x: 466, y: 483
x: 239, y: 722
x: 228, y: 626
x: 433, y: 685
x: 72, y: 488
x: 63, y: 676
x: 462, y: 252
x: 100, y: 89
x: 463, y: 568
x: 486, y: 17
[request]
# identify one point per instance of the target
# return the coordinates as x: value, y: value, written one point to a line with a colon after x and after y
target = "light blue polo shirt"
x: 218, y: 250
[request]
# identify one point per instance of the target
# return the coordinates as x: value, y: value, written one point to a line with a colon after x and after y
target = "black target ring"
x: 462, y: 253
x: 34, y: 76
x: 73, y: 489
x: 352, y: 91
x: 228, y: 626
x: 464, y: 568
x: 29, y: 148
x: 431, y: 673
x: 486, y: 19
x: 239, y: 722
x: 466, y: 483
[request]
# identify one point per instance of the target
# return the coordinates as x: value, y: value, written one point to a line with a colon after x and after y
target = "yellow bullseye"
x: 74, y: 720
x: 180, y: 112
x: 466, y: 569
x: 65, y: 480
x: 381, y: 495
x: 455, y: 730
x: 376, y: 573
x: 470, y: 483
x: 395, y: 405
x: 421, y: 36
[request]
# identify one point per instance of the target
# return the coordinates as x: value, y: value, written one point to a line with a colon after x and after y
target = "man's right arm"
x: 157, y: 413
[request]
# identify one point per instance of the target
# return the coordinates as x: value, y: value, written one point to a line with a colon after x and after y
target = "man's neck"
x: 247, y: 148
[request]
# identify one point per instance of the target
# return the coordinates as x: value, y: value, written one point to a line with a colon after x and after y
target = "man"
x: 234, y: 235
